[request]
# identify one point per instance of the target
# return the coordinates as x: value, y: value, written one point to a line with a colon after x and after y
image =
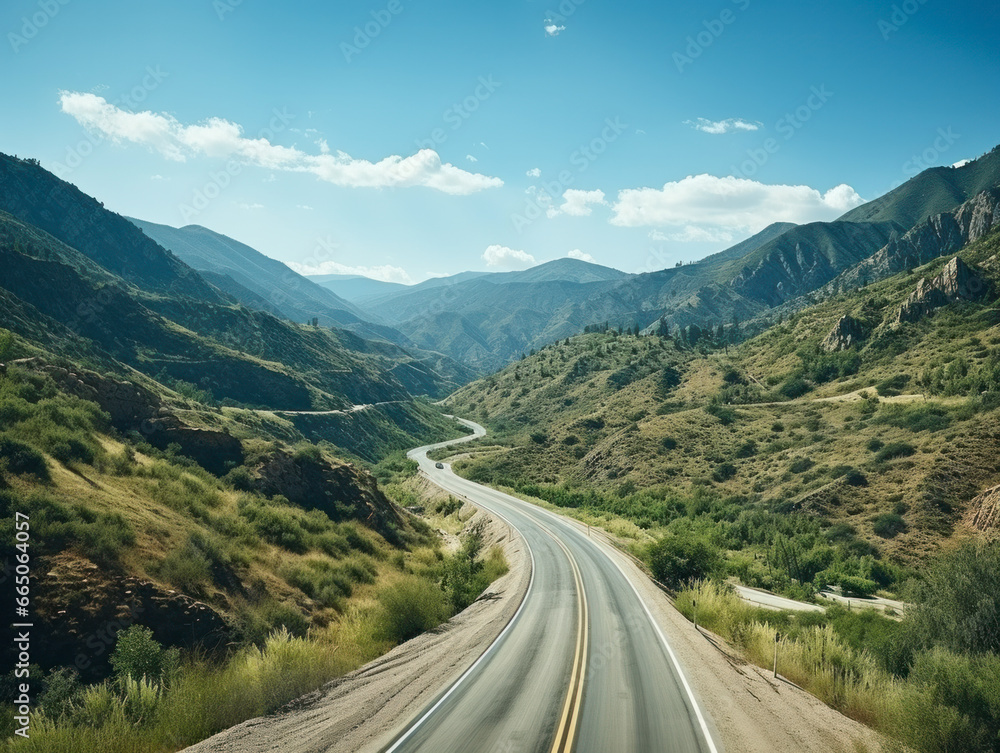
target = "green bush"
x: 138, y: 655
x: 895, y: 450
x: 957, y: 604
x: 408, y: 608
x: 851, y: 585
x: 676, y: 561
x: 18, y: 458
x: 888, y: 525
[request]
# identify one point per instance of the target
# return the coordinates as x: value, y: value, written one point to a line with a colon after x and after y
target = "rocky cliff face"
x: 938, y: 236
x: 984, y: 512
x: 848, y: 332
x: 342, y: 491
x: 957, y: 282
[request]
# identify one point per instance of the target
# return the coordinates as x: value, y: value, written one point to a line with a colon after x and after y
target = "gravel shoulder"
x: 364, y: 710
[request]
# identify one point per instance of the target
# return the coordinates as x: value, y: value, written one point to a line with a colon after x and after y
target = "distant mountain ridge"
x: 122, y: 302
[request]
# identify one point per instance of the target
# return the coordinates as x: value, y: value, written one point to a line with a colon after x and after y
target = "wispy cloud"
x: 383, y: 272
x: 535, y: 172
x: 718, y: 127
x: 507, y: 258
x: 724, y: 204
x: 471, y: 158
x: 218, y: 138
x: 577, y: 203
x: 552, y: 30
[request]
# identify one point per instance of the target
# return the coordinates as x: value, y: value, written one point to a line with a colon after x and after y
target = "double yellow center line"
x: 566, y: 734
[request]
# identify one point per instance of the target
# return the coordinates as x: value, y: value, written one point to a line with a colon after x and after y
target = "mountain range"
x: 488, y: 320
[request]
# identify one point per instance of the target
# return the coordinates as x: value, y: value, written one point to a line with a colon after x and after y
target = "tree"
x: 676, y: 561
x: 958, y: 604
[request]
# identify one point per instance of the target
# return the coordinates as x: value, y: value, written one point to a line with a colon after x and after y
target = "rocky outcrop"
x: 127, y: 404
x: 984, y: 512
x: 957, y: 282
x: 132, y: 407
x: 79, y: 610
x: 848, y: 332
x: 937, y: 236
x: 340, y: 490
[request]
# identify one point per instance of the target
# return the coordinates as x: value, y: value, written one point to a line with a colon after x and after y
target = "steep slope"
x: 297, y: 297
x: 37, y: 197
x: 55, y: 294
x: 936, y: 236
x: 933, y: 191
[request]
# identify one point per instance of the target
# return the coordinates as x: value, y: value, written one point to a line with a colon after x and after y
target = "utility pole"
x: 777, y: 637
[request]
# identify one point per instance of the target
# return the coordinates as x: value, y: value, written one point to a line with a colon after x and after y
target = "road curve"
x: 581, y: 667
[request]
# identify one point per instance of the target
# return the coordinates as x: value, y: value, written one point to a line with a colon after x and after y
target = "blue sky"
x: 405, y: 139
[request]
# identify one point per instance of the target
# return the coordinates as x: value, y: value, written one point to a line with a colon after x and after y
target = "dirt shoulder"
x: 748, y: 710
x: 364, y: 710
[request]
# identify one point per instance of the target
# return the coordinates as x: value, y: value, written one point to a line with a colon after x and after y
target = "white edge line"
x: 601, y: 547
x: 427, y: 714
x: 670, y: 651
x: 659, y: 631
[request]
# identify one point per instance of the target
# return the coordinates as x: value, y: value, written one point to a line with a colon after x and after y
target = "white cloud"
x: 962, y: 163
x: 249, y: 207
x: 305, y: 207
x: 578, y: 254
x: 729, y: 203
x: 324, y: 147
x: 383, y: 272
x: 717, y: 127
x: 552, y: 30
x: 507, y: 258
x: 578, y: 203
x: 156, y: 177
x: 535, y: 172
x: 471, y: 158
x: 218, y: 138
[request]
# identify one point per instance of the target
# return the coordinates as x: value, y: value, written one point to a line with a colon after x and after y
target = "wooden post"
x: 777, y: 637
x: 694, y: 606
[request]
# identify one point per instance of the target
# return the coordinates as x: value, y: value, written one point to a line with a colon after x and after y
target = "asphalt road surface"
x: 581, y: 667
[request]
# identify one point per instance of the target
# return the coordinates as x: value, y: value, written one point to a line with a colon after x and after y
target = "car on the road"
x: 439, y: 465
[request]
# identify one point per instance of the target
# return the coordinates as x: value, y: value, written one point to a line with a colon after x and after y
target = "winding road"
x: 581, y: 667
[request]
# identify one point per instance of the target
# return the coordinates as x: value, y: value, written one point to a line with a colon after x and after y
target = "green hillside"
x: 646, y: 426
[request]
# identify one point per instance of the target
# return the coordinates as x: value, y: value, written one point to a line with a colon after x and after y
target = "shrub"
x: 893, y: 451
x: 138, y: 655
x: 801, y: 465
x: 18, y: 458
x: 794, y: 388
x: 408, y: 608
x: 668, y: 443
x: 851, y: 585
x: 888, y: 525
x: 724, y: 472
x: 187, y: 568
x: 957, y: 603
x: 677, y: 560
